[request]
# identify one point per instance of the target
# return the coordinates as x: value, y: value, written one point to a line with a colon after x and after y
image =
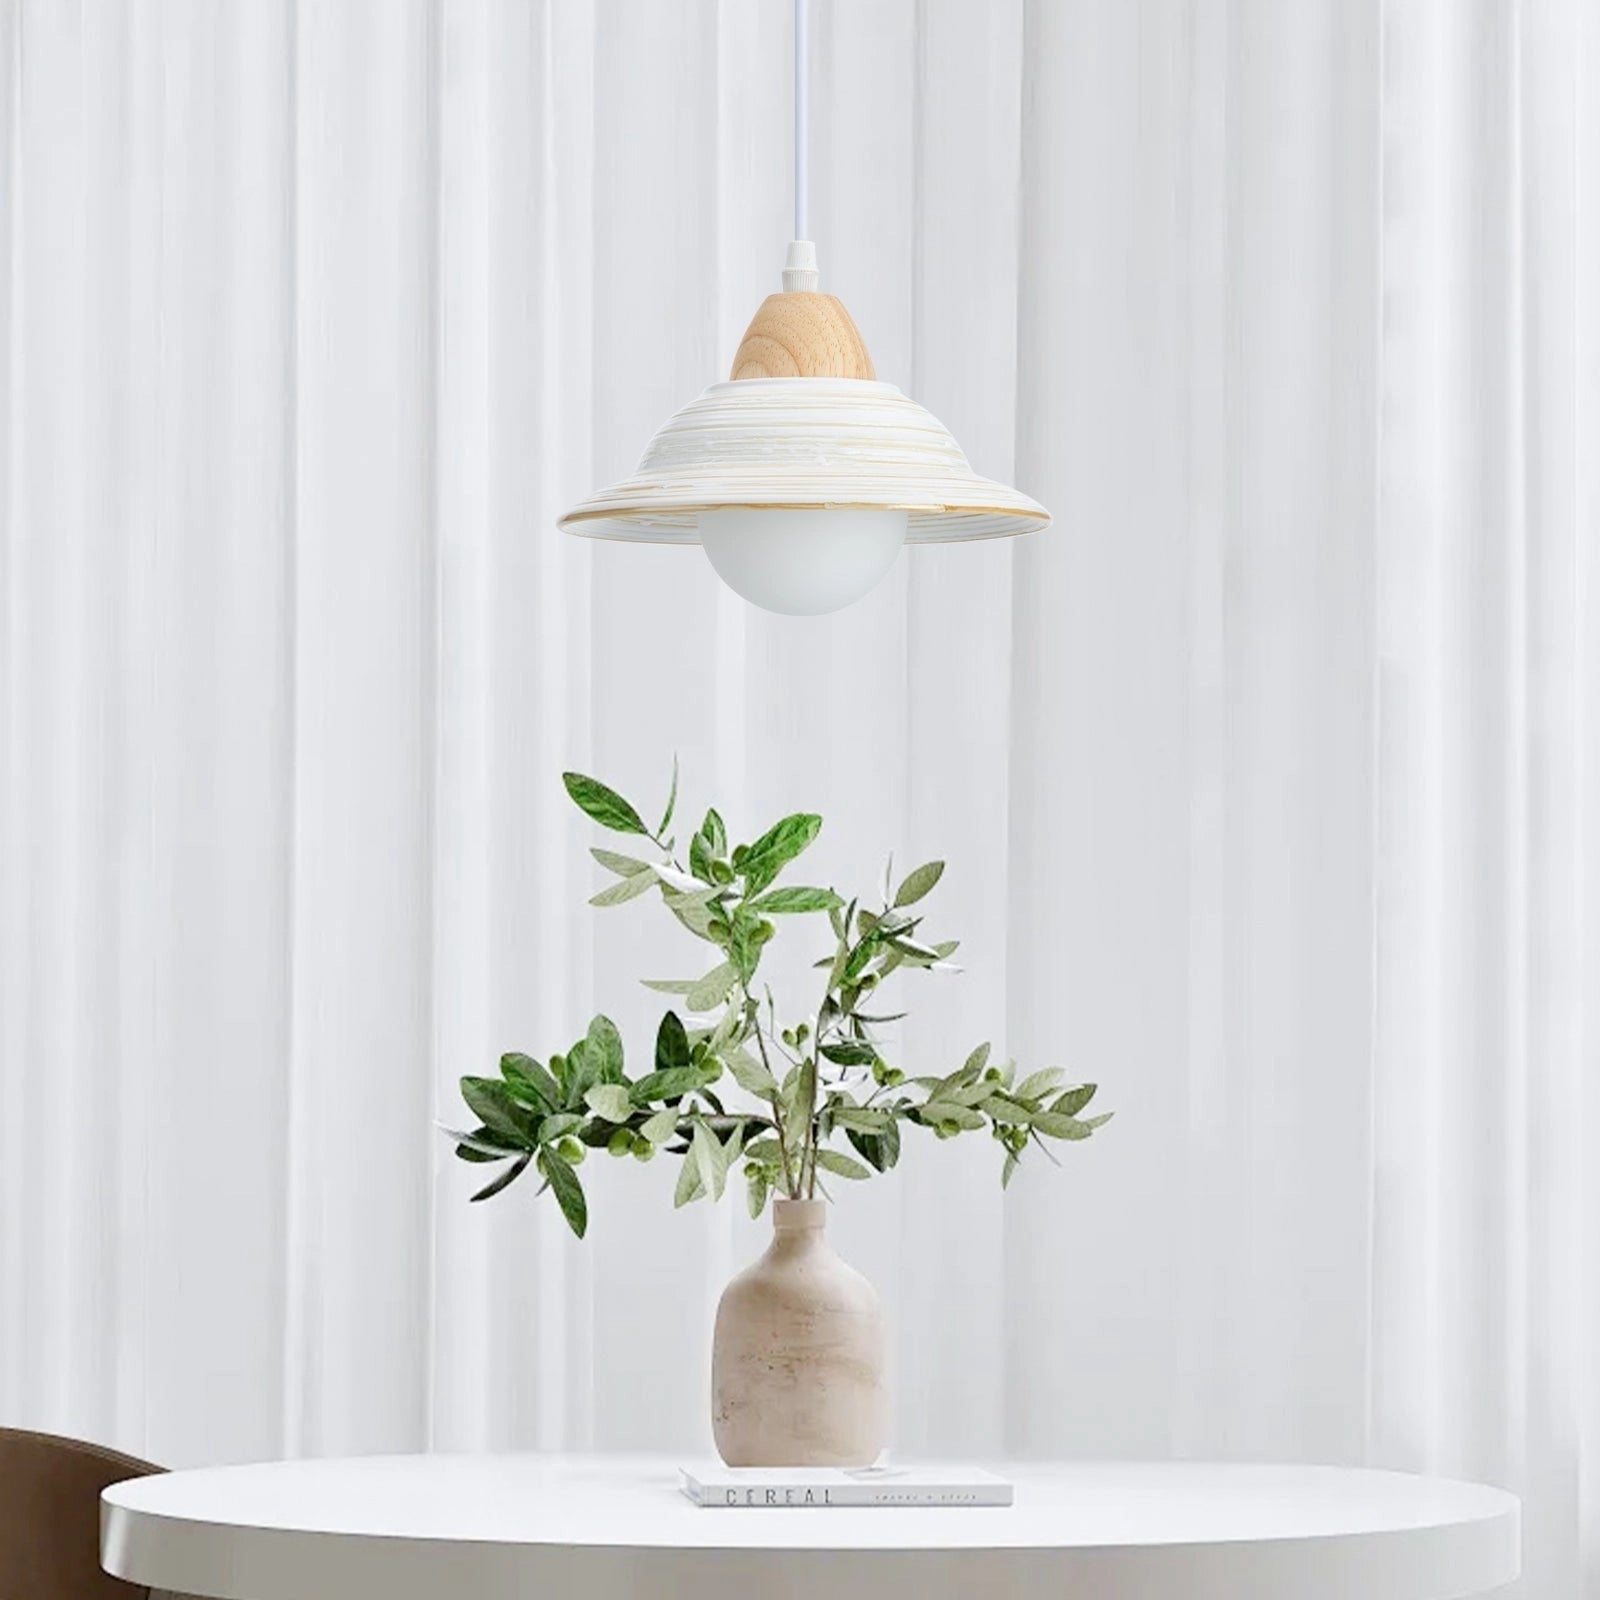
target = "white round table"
x: 616, y: 1528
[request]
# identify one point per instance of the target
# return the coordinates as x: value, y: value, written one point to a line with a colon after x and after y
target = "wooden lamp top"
x: 802, y: 333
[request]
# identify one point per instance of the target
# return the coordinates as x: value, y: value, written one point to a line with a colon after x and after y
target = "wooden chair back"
x: 50, y: 1517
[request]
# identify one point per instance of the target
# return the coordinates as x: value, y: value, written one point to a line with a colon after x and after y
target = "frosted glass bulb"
x: 802, y: 563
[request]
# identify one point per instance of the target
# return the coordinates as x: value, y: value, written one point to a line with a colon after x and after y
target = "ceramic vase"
x: 797, y: 1366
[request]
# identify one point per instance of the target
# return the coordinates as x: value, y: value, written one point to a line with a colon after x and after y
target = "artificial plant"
x: 821, y: 1075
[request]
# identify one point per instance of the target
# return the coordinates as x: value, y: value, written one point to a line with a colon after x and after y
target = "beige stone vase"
x: 797, y: 1367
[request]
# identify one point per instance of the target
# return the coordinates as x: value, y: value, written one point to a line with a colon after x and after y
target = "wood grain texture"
x: 802, y: 336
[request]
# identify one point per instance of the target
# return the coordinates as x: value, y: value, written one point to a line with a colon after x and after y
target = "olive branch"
x: 821, y: 1076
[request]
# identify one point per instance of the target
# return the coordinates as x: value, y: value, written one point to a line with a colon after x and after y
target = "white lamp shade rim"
x: 804, y: 443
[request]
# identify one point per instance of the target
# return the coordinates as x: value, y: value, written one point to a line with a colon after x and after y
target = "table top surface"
x: 634, y: 1502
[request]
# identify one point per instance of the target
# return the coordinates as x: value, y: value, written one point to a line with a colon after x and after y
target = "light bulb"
x: 801, y: 562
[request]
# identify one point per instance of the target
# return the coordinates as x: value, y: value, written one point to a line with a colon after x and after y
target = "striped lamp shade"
x: 804, y: 443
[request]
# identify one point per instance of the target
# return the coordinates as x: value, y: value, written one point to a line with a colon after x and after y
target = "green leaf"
x: 913, y: 951
x: 707, y: 849
x: 711, y: 1159
x: 610, y: 1100
x: 972, y: 1095
x: 841, y: 1165
x: 779, y: 845
x: 683, y: 898
x: 890, y: 962
x: 670, y: 985
x: 605, y: 1049
x: 582, y: 1072
x: 866, y: 1119
x: 661, y: 1126
x: 492, y: 1104
x: 750, y: 1074
x: 1074, y: 1100
x: 850, y: 1053
x: 858, y: 959
x: 700, y: 859
x: 749, y: 935
x: 783, y: 902
x: 712, y: 989
x: 868, y: 1145
x: 882, y: 1149
x: 672, y: 800
x: 889, y: 1143
x: 756, y: 1198
x: 672, y: 1043
x: 529, y: 1082
x: 606, y: 806
x: 1059, y: 1126
x: 963, y: 1077
x: 714, y: 834
x: 975, y: 1063
x: 559, y: 1126
x: 1009, y: 1170
x: 948, y: 1112
x: 1038, y: 1084
x: 625, y: 889
x: 1004, y: 1109
x: 689, y: 1184
x: 729, y: 1024
x: 623, y: 866
x: 1100, y: 1121
x: 505, y: 1179
x: 674, y: 1083
x: 918, y: 883
x: 567, y: 1189
x: 693, y: 912
x: 799, y: 1089
x: 482, y: 1144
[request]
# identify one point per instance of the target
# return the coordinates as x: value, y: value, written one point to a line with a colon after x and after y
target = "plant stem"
x: 809, y: 1173
x: 808, y: 1170
x: 777, y: 1114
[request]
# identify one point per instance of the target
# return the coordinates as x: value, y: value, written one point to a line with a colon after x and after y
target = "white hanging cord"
x: 800, y: 268
x: 802, y: 110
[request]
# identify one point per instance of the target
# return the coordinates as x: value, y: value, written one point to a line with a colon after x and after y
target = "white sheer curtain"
x: 1270, y: 777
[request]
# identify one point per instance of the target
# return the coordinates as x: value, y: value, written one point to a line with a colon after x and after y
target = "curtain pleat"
x: 1267, y: 777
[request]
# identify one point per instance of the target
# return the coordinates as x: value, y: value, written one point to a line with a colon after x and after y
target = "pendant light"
x: 803, y: 475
